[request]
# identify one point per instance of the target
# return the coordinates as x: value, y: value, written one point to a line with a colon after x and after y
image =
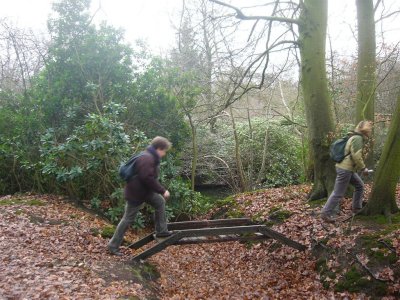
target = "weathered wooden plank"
x: 209, y: 223
x: 205, y: 233
x: 283, y: 239
x: 140, y: 243
x: 220, y: 230
x: 220, y: 239
x: 159, y: 246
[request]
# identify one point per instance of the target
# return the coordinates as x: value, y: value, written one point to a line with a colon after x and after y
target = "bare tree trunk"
x: 239, y: 164
x: 366, y: 68
x: 332, y: 81
x: 317, y: 102
x: 264, y: 158
x: 194, y: 152
x: 383, y: 195
x: 250, y: 169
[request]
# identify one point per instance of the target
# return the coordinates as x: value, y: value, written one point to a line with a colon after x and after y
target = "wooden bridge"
x: 211, y: 231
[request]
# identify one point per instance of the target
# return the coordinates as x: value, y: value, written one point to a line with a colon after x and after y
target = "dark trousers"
x: 343, y: 179
x: 157, y: 201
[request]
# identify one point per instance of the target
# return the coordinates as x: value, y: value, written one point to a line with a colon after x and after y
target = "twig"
x: 318, y: 243
x: 387, y: 246
x: 323, y: 226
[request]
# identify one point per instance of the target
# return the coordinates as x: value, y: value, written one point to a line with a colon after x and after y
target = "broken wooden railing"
x: 211, y: 231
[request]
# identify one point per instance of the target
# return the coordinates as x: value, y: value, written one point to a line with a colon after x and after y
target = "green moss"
x: 230, y: 200
x: 94, y: 231
x: 393, y: 220
x: 235, y: 213
x: 107, y: 231
x: 145, y: 271
x: 32, y: 202
x: 7, y: 202
x: 35, y: 202
x: 322, y: 268
x: 257, y: 217
x: 352, y: 281
x: 396, y: 218
x: 275, y: 209
x: 383, y: 256
x: 378, y: 219
x: 269, y: 223
x: 380, y: 254
x: 317, y: 203
x: 380, y: 288
x: 150, y: 271
x: 230, y: 208
x: 137, y: 273
x: 227, y: 208
x: 278, y: 215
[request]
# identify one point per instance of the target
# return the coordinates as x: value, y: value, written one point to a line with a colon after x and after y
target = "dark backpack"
x: 128, y: 170
x: 338, y: 147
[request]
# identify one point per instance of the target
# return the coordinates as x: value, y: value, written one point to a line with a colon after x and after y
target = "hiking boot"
x: 163, y: 234
x: 328, y: 219
x: 114, y: 252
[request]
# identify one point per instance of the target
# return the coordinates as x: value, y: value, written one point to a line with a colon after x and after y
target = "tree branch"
x: 387, y: 16
x: 242, y: 16
x: 377, y: 5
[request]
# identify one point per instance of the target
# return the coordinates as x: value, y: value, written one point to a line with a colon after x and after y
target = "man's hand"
x: 166, y: 194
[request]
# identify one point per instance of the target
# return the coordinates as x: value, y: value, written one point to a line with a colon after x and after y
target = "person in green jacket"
x: 347, y: 172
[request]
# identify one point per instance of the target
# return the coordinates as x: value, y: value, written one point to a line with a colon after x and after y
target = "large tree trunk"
x: 317, y: 101
x: 366, y: 68
x: 383, y: 195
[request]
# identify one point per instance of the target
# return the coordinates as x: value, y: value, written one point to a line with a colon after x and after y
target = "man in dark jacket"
x: 144, y: 188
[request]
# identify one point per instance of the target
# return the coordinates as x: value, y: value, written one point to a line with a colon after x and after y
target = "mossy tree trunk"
x: 366, y: 68
x: 312, y: 29
x: 383, y: 196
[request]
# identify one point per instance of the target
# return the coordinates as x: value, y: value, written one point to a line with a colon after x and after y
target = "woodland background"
x: 251, y: 98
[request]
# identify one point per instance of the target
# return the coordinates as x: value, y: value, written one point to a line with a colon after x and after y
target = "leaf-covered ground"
x: 269, y: 270
x: 51, y: 250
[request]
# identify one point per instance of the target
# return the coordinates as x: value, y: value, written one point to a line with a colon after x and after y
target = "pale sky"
x: 149, y: 19
x: 152, y: 19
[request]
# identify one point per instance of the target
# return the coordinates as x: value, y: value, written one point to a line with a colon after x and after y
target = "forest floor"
x: 50, y: 249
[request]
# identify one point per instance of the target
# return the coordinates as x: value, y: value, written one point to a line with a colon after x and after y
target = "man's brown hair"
x: 161, y: 143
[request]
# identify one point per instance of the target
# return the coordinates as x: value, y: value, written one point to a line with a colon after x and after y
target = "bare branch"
x: 242, y: 16
x: 387, y: 16
x: 288, y: 119
x: 377, y: 5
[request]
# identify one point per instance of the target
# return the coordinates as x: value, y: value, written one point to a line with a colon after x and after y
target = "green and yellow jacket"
x: 353, y: 162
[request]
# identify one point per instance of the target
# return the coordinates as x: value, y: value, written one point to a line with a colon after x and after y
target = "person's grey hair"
x: 161, y: 143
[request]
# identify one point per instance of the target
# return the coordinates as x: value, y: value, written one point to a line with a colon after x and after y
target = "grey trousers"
x: 343, y: 178
x: 157, y: 201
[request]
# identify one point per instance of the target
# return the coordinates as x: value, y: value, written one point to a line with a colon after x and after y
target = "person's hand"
x: 166, y: 194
